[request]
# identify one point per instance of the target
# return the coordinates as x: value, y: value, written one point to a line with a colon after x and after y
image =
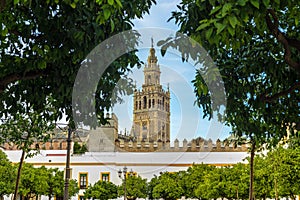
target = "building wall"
x: 145, y: 164
x: 102, y: 139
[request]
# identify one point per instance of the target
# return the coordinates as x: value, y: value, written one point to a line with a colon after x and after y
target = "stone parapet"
x: 196, y: 145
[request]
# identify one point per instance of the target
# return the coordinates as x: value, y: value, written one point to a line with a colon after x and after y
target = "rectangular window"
x: 83, y: 180
x: 105, y: 176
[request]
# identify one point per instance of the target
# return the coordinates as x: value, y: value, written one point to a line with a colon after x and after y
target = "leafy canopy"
x: 255, y: 44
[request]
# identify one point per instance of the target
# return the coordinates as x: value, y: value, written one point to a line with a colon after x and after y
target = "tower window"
x: 149, y: 79
x: 145, y: 102
x: 140, y: 105
x: 149, y: 103
x: 144, y: 126
x: 136, y: 105
x: 153, y: 103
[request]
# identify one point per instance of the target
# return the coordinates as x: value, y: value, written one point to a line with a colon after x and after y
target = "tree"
x: 150, y: 186
x: 102, y: 190
x: 55, y: 182
x: 168, y: 187
x: 25, y: 129
x: 44, y: 181
x: 79, y: 149
x: 283, y: 165
x: 136, y: 187
x: 7, y: 176
x: 255, y: 46
x: 33, y: 181
x: 43, y: 44
x: 264, y: 183
x: 236, y: 181
x: 193, y: 178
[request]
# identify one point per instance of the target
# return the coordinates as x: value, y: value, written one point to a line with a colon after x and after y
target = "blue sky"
x: 186, y: 118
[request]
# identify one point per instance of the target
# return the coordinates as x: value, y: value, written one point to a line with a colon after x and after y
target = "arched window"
x: 136, y: 105
x: 140, y: 105
x: 153, y: 103
x: 149, y: 103
x: 144, y: 102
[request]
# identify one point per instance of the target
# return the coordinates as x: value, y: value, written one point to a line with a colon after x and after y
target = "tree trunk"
x: 19, y: 175
x: 252, y: 154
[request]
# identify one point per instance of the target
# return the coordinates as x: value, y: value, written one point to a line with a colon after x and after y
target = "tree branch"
x: 267, y: 98
x: 2, y: 4
x: 19, y: 76
x: 286, y: 42
x: 37, y: 38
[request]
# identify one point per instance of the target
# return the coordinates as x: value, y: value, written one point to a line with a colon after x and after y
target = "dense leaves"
x: 261, y: 84
x: 43, y: 181
x: 34, y: 181
x: 79, y: 149
x: 136, y: 187
x: 102, y: 190
x: 277, y: 176
x: 43, y: 44
x: 168, y: 187
x: 7, y: 175
x: 255, y: 45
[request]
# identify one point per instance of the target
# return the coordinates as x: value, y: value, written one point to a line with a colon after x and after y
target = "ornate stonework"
x: 151, y: 114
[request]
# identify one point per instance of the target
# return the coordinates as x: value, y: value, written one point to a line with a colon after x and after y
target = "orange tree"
x: 255, y: 45
x: 43, y: 44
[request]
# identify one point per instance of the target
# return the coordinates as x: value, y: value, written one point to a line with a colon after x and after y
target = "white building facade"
x: 94, y: 166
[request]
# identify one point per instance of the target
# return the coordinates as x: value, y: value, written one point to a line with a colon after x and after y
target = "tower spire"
x: 152, y: 42
x: 152, y: 58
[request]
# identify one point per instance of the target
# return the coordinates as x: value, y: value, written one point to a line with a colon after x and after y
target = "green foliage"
x: 150, y: 186
x: 34, y: 181
x: 79, y: 149
x: 73, y: 187
x: 136, y: 187
x: 44, y: 181
x: 168, y: 187
x: 56, y: 184
x: 255, y: 46
x: 283, y: 165
x: 193, y: 178
x: 42, y: 46
x: 231, y: 24
x: 7, y: 175
x: 3, y: 159
x: 263, y: 182
x: 102, y: 190
x: 24, y: 129
x: 256, y: 65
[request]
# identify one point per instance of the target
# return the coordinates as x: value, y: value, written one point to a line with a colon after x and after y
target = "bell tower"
x: 151, y: 113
